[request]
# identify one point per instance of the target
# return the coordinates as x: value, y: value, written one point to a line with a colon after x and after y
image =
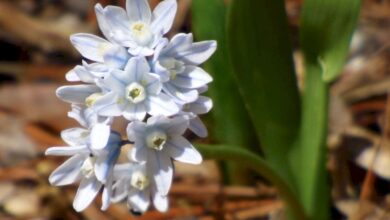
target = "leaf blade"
x: 260, y: 52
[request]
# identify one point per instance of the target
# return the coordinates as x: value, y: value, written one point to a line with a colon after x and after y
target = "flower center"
x: 135, y: 92
x: 141, y: 33
x: 173, y: 66
x: 87, y: 169
x: 90, y: 100
x: 156, y: 140
x: 139, y: 180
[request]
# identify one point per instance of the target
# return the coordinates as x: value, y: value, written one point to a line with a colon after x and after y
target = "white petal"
x: 163, y: 16
x: 120, y: 190
x: 161, y: 105
x: 160, y: 202
x: 106, y: 195
x: 182, y: 150
x: 179, y: 42
x: 117, y: 19
x: 160, y: 165
x: 153, y: 85
x: 138, y: 10
x: 66, y: 151
x: 125, y: 170
x: 103, y: 25
x: 136, y: 67
x: 197, y: 126
x: 201, y: 106
x: 105, y: 164
x: 161, y: 44
x: 118, y: 80
x: 68, y: 172
x: 97, y: 70
x: 86, y: 193
x: 158, y: 121
x: 77, y: 113
x: 86, y: 117
x: 141, y: 51
x: 72, y: 76
x: 197, y: 53
x: 75, y: 136
x: 116, y: 57
x: 115, y: 82
x: 177, y: 126
x: 135, y: 112
x: 110, y: 110
x: 139, y: 200
x: 180, y: 95
x: 192, y: 77
x: 90, y: 46
x: 77, y: 93
x: 80, y: 73
x: 107, y: 105
x: 161, y: 71
x: 203, y: 89
x: 99, y: 136
x: 135, y: 130
x: 138, y: 153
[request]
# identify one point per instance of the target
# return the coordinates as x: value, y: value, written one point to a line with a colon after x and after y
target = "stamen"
x: 173, y: 66
x: 135, y: 92
x: 91, y: 100
x: 139, y: 180
x: 156, y: 140
x: 87, y: 169
x: 141, y: 33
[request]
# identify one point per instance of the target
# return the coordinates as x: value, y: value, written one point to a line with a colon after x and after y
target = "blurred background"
x: 35, y: 54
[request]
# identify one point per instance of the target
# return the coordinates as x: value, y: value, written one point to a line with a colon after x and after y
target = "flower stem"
x: 258, y: 164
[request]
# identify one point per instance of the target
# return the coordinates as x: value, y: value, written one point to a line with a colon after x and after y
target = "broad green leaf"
x: 244, y: 157
x: 260, y: 51
x: 231, y: 124
x: 326, y: 30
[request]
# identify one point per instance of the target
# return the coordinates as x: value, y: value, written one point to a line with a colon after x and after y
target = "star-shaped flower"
x: 177, y: 63
x: 156, y: 142
x: 133, y: 93
x: 201, y: 106
x: 132, y: 183
x: 137, y: 28
x: 89, y: 163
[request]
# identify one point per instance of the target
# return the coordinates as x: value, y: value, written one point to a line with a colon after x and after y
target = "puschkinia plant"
x: 138, y: 75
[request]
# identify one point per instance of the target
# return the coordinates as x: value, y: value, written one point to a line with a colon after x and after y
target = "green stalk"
x: 256, y: 163
x: 312, y: 174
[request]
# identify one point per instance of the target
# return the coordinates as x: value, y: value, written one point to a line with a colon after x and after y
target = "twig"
x: 369, y: 181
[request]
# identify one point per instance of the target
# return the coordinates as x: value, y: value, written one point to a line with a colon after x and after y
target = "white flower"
x: 87, y: 117
x: 100, y: 50
x: 89, y: 163
x: 156, y: 142
x: 133, y: 93
x: 201, y: 106
x: 78, y: 94
x: 87, y: 73
x: 137, y: 27
x: 176, y: 63
x: 131, y: 182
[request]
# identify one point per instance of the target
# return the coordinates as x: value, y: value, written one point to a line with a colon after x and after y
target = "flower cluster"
x: 155, y: 84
